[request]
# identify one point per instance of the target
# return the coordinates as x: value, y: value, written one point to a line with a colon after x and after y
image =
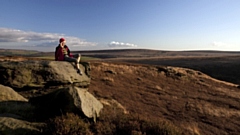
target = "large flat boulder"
x: 23, y: 74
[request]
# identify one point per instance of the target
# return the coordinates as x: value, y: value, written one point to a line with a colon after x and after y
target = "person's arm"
x: 69, y: 52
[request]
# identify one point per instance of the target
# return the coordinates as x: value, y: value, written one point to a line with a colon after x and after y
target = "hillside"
x: 159, y: 88
x: 188, y: 98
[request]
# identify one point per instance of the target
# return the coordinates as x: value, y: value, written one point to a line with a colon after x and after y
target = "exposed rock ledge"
x: 20, y: 75
x: 23, y: 74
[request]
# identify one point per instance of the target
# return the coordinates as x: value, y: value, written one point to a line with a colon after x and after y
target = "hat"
x: 61, y: 40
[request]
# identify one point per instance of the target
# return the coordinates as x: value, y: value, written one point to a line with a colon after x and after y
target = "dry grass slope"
x: 160, y: 99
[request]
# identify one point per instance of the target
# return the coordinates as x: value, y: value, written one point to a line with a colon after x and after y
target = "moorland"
x: 196, y: 91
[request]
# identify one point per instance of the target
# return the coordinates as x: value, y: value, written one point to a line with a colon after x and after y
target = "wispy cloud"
x: 115, y: 44
x: 219, y: 44
x: 40, y: 39
x: 226, y: 46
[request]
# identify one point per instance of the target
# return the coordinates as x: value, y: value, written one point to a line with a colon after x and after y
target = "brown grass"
x: 160, y: 93
x: 111, y: 122
x: 69, y: 124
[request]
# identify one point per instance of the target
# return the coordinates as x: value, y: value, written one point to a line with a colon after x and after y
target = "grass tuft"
x: 69, y: 124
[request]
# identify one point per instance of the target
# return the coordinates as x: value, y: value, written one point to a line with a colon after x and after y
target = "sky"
x: 120, y: 24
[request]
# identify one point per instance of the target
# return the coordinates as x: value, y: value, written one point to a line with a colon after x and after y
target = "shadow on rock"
x: 67, y: 100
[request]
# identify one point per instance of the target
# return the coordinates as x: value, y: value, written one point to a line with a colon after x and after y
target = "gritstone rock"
x: 24, y: 74
x: 12, y: 126
x: 8, y: 94
x: 70, y: 99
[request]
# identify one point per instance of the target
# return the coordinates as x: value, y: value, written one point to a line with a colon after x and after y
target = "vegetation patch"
x: 115, y: 122
x: 111, y: 122
x: 69, y: 124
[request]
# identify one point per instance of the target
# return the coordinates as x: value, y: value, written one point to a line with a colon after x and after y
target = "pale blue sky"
x: 107, y: 24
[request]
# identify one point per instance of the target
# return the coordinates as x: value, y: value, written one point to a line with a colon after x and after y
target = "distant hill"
x: 16, y: 52
x: 146, y: 53
x: 25, y: 53
x: 124, y: 53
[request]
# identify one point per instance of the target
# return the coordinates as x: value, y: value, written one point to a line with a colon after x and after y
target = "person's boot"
x: 79, y: 71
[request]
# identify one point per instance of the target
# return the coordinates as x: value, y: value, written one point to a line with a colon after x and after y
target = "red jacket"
x: 59, y: 55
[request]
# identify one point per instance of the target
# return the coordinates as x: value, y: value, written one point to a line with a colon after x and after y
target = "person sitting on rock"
x: 62, y: 53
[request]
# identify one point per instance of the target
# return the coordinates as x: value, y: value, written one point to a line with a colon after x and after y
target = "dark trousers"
x: 75, y: 58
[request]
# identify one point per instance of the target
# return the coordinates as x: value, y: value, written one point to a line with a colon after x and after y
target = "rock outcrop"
x: 85, y: 102
x: 71, y: 99
x: 14, y: 108
x: 8, y: 94
x: 114, y: 104
x: 68, y: 92
x: 25, y: 74
x: 12, y: 126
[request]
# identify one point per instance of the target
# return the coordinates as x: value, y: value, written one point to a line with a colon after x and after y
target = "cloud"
x: 226, y: 46
x: 40, y: 39
x: 120, y: 44
x: 219, y: 44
